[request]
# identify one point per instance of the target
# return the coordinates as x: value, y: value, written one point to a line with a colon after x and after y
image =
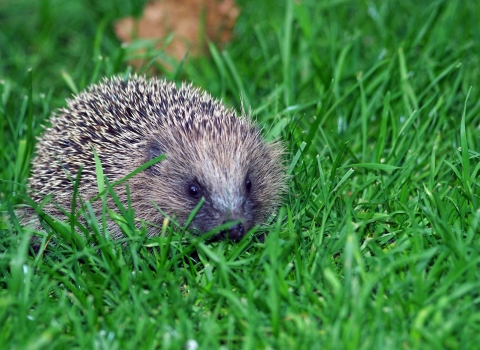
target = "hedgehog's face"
x: 240, y: 181
x: 225, y: 201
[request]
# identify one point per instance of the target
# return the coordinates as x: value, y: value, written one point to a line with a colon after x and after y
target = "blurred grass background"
x: 377, y: 245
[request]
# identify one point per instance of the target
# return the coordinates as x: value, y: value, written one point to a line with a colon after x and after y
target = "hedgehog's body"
x: 210, y: 152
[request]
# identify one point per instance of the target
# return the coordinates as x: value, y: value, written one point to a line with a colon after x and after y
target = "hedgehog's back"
x: 116, y: 118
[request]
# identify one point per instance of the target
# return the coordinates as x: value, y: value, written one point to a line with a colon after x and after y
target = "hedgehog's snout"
x: 235, y: 232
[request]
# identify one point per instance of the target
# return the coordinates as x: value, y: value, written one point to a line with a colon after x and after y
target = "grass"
x: 377, y: 244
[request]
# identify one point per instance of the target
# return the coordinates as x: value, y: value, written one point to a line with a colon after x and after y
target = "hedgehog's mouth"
x: 234, y: 233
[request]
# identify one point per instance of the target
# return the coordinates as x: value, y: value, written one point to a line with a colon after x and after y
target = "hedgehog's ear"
x: 155, y: 149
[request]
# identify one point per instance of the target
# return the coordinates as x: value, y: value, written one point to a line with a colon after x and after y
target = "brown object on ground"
x: 191, y: 22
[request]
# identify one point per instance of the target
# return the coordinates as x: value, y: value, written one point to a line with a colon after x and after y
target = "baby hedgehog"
x: 210, y: 153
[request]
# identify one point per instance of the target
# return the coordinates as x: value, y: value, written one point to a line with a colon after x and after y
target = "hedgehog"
x: 211, y: 155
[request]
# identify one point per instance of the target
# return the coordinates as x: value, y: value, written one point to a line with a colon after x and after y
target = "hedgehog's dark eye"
x: 194, y: 190
x: 248, y: 185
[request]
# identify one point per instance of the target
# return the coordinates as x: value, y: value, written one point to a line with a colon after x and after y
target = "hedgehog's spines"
x: 122, y: 118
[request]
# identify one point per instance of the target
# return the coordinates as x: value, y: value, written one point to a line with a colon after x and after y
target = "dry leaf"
x: 190, y: 21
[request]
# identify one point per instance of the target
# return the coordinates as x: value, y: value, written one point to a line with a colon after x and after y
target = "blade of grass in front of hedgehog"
x: 194, y: 212
x: 133, y: 173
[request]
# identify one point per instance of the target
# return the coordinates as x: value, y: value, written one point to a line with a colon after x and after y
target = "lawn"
x: 377, y: 244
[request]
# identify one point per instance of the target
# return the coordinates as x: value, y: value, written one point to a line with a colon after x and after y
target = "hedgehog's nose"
x: 235, y: 232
